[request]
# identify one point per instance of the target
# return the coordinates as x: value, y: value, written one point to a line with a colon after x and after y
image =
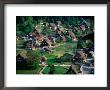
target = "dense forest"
x: 26, y: 24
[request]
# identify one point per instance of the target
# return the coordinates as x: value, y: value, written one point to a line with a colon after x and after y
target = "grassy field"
x: 35, y: 71
x: 25, y: 71
x: 58, y: 70
x: 67, y: 47
x: 20, y: 42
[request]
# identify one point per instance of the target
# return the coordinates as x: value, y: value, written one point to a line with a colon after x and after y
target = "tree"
x: 46, y: 31
x: 25, y: 25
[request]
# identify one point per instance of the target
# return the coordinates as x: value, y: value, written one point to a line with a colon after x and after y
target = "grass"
x: 60, y: 50
x: 67, y: 47
x: 25, y: 71
x: 20, y: 42
x: 35, y: 71
x: 58, y: 70
x: 46, y: 70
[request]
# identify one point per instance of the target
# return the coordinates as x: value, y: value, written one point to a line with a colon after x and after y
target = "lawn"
x: 58, y: 70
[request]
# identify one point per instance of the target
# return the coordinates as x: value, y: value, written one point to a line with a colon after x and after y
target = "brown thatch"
x: 72, y: 35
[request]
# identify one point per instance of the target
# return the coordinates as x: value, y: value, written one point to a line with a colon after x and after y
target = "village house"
x: 52, y: 26
x: 72, y: 35
x: 83, y: 27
